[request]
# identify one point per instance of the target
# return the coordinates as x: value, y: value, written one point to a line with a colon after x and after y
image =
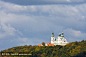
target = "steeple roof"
x: 59, y: 34
x: 52, y: 34
x: 62, y: 34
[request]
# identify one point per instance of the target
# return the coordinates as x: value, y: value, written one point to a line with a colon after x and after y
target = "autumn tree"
x: 76, y: 43
x: 43, y: 43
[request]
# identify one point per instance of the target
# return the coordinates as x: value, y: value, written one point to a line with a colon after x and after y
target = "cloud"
x: 44, y: 2
x: 68, y: 0
x: 6, y: 30
x: 33, y: 24
x: 27, y: 41
x: 74, y: 35
x: 59, y: 14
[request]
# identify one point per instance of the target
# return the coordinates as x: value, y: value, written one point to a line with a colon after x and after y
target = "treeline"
x: 73, y: 49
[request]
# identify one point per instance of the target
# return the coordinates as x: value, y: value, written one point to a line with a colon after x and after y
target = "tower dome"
x: 62, y: 34
x: 59, y: 34
x: 52, y: 34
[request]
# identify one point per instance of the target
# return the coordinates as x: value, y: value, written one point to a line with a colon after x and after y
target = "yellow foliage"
x: 43, y: 55
x: 37, y: 49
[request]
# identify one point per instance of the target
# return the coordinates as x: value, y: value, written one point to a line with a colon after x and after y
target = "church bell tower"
x: 52, y: 38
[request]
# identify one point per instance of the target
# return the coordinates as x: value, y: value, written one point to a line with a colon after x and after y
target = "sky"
x: 31, y: 22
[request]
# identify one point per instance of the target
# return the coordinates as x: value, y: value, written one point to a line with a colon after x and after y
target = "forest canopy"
x: 73, y: 49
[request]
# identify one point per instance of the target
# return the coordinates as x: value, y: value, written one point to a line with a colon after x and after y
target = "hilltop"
x: 73, y: 49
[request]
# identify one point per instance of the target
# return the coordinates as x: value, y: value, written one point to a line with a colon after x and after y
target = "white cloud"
x: 68, y: 1
x: 19, y: 21
x: 35, y: 19
x: 11, y: 7
x: 8, y: 30
x: 29, y: 41
x: 74, y: 9
x: 75, y: 33
x: 22, y: 39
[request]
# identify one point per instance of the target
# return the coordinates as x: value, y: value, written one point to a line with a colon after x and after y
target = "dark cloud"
x: 44, y: 2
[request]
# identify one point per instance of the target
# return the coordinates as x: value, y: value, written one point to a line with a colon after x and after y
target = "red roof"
x: 49, y: 44
x: 39, y: 45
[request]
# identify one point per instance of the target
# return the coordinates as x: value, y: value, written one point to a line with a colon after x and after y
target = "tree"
x: 82, y: 41
x: 76, y: 43
x: 43, y: 43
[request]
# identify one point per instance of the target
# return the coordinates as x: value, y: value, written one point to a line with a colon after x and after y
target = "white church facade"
x: 60, y: 40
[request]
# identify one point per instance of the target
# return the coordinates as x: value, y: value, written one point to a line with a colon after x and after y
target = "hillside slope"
x: 73, y: 49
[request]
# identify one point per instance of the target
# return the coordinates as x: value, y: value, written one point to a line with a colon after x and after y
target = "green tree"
x: 76, y: 43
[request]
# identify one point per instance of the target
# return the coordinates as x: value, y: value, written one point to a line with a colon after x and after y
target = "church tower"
x: 62, y: 35
x: 52, y: 38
